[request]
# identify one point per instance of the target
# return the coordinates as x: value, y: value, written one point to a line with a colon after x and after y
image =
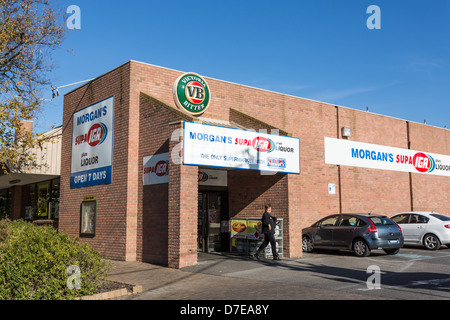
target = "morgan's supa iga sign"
x: 92, y: 145
x: 365, y: 155
x: 215, y: 146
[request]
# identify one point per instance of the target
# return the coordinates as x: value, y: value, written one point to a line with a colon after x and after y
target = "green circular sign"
x: 191, y: 93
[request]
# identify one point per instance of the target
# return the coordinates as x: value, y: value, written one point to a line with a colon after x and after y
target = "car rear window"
x: 440, y: 217
x: 381, y: 221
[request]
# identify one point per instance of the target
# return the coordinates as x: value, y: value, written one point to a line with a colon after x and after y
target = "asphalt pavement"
x: 413, y: 274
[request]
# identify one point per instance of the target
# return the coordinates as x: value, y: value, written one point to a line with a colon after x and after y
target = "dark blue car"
x: 358, y: 232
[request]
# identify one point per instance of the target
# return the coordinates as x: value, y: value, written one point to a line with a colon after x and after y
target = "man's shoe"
x: 277, y: 258
x: 256, y: 256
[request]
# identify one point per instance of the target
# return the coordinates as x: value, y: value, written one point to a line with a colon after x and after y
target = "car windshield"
x: 381, y: 221
x: 440, y: 217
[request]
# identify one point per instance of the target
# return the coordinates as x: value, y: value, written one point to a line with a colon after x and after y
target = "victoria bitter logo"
x: 191, y: 93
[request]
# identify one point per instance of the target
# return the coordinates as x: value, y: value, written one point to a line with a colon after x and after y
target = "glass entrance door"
x: 212, y: 211
x: 201, y: 223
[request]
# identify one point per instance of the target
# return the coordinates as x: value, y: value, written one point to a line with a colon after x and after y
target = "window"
x: 42, y: 201
x: 328, y: 222
x: 88, y: 217
x: 440, y: 217
x: 5, y: 203
x: 401, y: 218
x: 350, y: 221
x: 381, y: 221
x: 54, y: 199
x: 418, y: 218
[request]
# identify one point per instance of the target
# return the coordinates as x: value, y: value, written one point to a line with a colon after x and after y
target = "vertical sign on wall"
x: 92, y: 145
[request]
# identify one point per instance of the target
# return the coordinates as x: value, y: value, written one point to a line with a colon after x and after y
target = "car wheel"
x: 360, y: 248
x: 307, y: 244
x: 431, y: 242
x: 392, y: 251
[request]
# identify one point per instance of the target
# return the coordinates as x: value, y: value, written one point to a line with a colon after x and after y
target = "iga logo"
x: 95, y: 136
x: 262, y: 144
x: 161, y: 168
x: 202, y: 176
x: 423, y: 163
x: 191, y: 93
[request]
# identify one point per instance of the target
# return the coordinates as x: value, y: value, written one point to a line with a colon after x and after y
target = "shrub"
x: 4, y: 230
x: 34, y: 262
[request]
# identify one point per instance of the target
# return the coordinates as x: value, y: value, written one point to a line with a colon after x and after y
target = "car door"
x: 323, y: 235
x: 344, y: 231
x: 408, y: 229
x: 417, y: 227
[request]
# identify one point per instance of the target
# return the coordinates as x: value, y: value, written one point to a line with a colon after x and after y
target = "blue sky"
x: 317, y: 49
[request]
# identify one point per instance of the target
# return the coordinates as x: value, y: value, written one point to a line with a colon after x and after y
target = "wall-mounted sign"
x: 331, y: 188
x: 191, y: 94
x: 358, y: 154
x: 92, y: 145
x: 88, y: 219
x: 156, y: 169
x: 211, y: 177
x: 209, y: 145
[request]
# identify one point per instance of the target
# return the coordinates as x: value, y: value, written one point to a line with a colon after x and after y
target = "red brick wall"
x: 430, y: 192
x: 113, y: 200
x: 371, y: 190
x: 153, y: 210
x: 183, y: 192
x: 125, y: 212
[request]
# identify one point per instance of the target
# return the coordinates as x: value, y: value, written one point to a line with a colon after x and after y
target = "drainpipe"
x: 339, y: 167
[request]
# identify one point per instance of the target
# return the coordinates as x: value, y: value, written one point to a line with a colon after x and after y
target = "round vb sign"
x: 191, y: 93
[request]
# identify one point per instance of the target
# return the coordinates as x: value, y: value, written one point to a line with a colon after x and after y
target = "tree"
x: 29, y: 32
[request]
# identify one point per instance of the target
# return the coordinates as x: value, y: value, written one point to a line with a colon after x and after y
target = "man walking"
x: 268, y: 227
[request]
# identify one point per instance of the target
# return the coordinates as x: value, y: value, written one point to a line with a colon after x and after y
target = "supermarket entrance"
x: 212, y: 230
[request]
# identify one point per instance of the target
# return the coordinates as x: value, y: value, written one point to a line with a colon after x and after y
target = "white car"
x: 430, y: 229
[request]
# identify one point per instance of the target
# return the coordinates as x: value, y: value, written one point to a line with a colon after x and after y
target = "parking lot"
x: 414, y: 273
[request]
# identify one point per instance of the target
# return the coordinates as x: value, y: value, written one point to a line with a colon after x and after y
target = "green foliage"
x: 34, y: 261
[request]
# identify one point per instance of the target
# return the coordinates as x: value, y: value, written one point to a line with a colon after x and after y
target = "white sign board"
x: 365, y: 155
x: 92, y: 145
x: 211, y: 177
x: 156, y: 169
x: 208, y: 145
x: 332, y: 188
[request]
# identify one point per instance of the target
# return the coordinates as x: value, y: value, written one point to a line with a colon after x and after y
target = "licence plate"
x: 393, y: 241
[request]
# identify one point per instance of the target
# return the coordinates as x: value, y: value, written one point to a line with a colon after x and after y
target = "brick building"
x: 164, y: 222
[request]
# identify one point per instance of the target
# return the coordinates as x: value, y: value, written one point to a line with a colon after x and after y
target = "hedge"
x: 35, y: 261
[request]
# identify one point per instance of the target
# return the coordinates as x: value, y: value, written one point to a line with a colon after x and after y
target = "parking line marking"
x: 412, y: 256
x: 432, y: 281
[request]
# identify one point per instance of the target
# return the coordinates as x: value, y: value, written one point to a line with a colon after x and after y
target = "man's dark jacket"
x: 267, y: 220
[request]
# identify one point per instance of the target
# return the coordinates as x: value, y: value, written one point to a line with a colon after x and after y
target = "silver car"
x: 430, y: 229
